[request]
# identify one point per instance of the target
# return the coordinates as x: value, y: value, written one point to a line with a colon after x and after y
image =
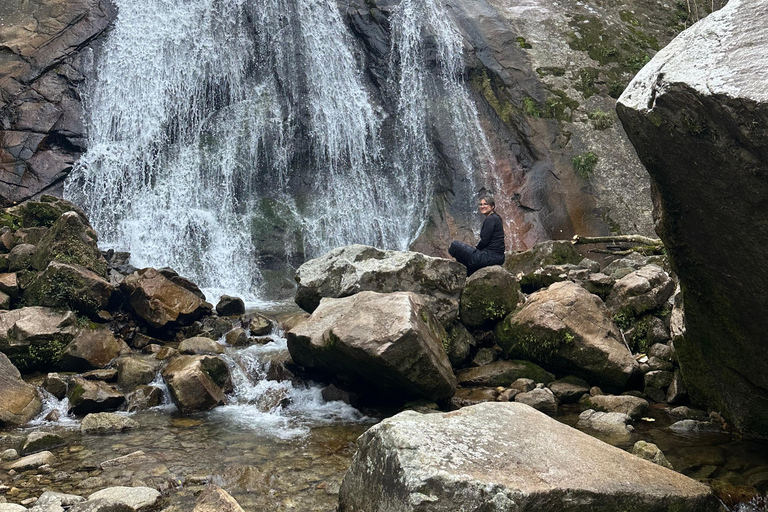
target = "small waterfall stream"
x: 229, y: 135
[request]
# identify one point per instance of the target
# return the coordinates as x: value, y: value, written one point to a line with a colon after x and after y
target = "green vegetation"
x: 495, y: 93
x: 523, y: 44
x: 560, y: 107
x: 584, y: 164
x: 601, y: 120
x: 585, y: 81
x: 553, y: 71
x: 530, y: 107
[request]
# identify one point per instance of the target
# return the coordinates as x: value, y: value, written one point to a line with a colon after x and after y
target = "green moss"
x: 495, y: 93
x: 530, y: 107
x: 601, y: 120
x: 40, y: 214
x: 585, y: 81
x: 62, y: 288
x: 636, y: 61
x: 76, y: 394
x: 331, y: 341
x: 628, y: 18
x: 561, y: 106
x: 550, y: 71
x: 584, y: 164
x: 10, y: 220
x: 655, y: 118
x: 45, y: 354
x: 519, y: 340
x: 523, y: 44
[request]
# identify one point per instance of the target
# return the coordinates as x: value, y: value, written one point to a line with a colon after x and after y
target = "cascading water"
x: 226, y: 135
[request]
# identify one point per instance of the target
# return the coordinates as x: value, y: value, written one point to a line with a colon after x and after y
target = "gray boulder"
x: 20, y: 257
x: 541, y: 399
x: 39, y: 441
x: 643, y: 290
x: 569, y: 389
x: 613, y: 425
x: 55, y: 502
x: 502, y: 373
x: 551, y: 252
x: 106, y: 423
x: 33, y: 461
x: 230, y: 306
x: 489, y: 295
x: 197, y: 383
x: 695, y: 114
x: 215, y: 499
x: 568, y: 330
x: 19, y: 401
x: 143, y: 397
x: 434, y: 462
x: 632, y: 406
x: 651, y: 452
x: 349, y: 270
x: 134, y: 371
x: 35, y: 337
x: 134, y: 499
x: 388, y: 342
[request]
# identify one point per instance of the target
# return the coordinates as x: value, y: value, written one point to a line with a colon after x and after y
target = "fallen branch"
x: 634, y: 239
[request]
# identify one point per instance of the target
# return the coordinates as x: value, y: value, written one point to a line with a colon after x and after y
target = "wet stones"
x: 19, y: 401
x: 91, y: 349
x: 106, y: 423
x: 86, y: 396
x: 230, y: 306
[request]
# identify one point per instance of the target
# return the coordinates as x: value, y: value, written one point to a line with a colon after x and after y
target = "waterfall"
x: 230, y: 136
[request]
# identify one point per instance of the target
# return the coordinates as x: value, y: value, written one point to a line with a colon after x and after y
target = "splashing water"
x: 223, y: 134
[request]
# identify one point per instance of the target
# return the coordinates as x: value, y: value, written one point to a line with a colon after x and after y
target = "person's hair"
x: 489, y: 200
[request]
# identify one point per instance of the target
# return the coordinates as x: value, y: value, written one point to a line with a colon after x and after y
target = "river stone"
x: 632, y: 406
x: 259, y: 325
x: 90, y: 350
x: 133, y: 371
x: 215, y: 499
x: 658, y: 379
x: 489, y: 295
x: 502, y: 373
x: 349, y: 270
x: 237, y: 337
x: 437, y: 462
x: 49, y: 501
x: 541, y: 399
x: 9, y: 455
x: 160, y: 302
x: 55, y: 385
x: 39, y: 441
x: 71, y: 287
x: 106, y: 423
x: 614, y: 425
x: 197, y: 383
x: 200, y: 345
x: 484, y: 356
x: 651, y: 452
x: 143, y: 397
x: 19, y: 401
x: 390, y: 342
x: 569, y: 389
x: 5, y: 301
x: 12, y: 507
x: 697, y: 115
x: 70, y: 240
x: 33, y: 461
x: 35, y: 337
x: 138, y: 499
x: 86, y: 396
x: 643, y: 290
x: 663, y: 351
x: 230, y: 306
x: 568, y: 330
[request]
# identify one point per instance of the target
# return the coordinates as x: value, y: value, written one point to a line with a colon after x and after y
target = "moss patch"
x: 601, y: 120
x: 520, y: 340
x: 584, y: 164
x: 561, y: 106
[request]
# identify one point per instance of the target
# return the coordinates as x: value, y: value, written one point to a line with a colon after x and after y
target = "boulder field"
x: 697, y: 115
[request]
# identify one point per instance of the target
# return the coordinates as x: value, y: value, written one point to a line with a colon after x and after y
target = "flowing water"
x: 224, y: 135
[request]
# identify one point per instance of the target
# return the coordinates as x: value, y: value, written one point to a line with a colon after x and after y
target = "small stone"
x: 39, y: 441
x: 484, y: 356
x: 9, y: 454
x: 230, y: 306
x: 523, y: 385
x: 55, y: 385
x: 651, y: 452
x: 200, y: 345
x: 106, y: 423
x: 541, y: 399
x: 237, y: 337
x: 33, y: 461
x: 508, y: 395
x: 136, y: 457
x: 595, y: 391
x: 259, y: 325
x: 135, y: 498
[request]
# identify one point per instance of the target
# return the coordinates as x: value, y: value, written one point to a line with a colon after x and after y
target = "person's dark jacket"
x: 492, y: 235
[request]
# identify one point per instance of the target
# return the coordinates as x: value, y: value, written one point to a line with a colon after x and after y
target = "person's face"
x: 484, y: 207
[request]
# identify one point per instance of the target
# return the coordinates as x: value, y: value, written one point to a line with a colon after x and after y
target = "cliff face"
x: 42, y: 61
x: 697, y: 114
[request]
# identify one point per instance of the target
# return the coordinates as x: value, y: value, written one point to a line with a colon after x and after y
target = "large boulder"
x: 697, y: 115
x: 640, y: 291
x: 569, y: 331
x: 35, y: 337
x: 197, y: 383
x: 71, y: 287
x: 356, y: 268
x: 389, y: 342
x: 86, y: 396
x: 70, y: 240
x: 489, y: 295
x: 19, y: 401
x: 551, y: 252
x: 90, y: 350
x: 160, y: 302
x: 503, y: 457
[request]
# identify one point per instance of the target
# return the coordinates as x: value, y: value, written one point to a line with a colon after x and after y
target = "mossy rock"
x: 70, y: 240
x: 69, y: 287
x: 458, y: 343
x: 41, y: 213
x: 526, y: 341
x: 490, y: 294
x: 551, y: 252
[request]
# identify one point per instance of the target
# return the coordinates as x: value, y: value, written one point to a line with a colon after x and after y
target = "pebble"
x: 9, y: 454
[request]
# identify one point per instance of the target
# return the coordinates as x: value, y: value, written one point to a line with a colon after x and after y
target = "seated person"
x: 490, y: 249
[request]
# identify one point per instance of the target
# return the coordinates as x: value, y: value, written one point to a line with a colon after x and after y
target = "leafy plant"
x: 584, y: 164
x: 601, y: 119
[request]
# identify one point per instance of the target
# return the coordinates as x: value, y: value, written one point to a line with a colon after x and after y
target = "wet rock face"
x: 425, y: 461
x: 697, y: 115
x: 41, y: 131
x: 385, y: 342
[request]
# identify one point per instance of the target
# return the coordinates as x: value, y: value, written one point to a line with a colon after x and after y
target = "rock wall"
x: 698, y: 116
x: 41, y: 64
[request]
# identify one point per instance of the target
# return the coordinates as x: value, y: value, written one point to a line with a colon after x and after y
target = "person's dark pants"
x: 472, y: 258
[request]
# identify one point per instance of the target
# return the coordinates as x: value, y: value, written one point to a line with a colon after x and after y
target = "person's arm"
x: 485, y: 233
